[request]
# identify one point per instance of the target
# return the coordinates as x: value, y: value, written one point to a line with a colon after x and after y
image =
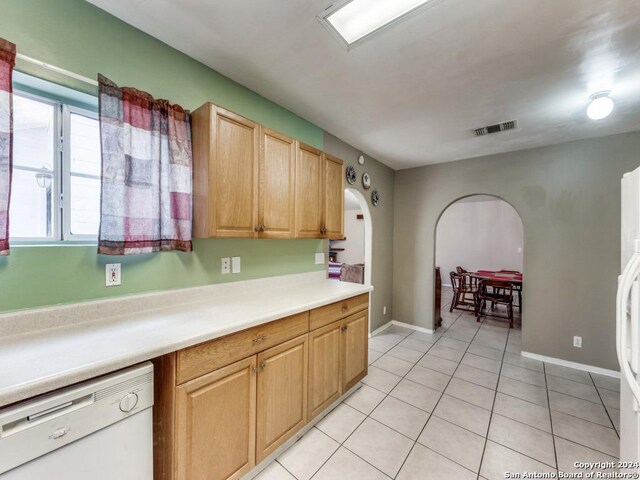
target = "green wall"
x: 76, y: 36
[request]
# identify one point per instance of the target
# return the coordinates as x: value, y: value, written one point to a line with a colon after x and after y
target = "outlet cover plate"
x: 225, y: 265
x: 577, y: 342
x: 113, y: 274
x: 319, y: 258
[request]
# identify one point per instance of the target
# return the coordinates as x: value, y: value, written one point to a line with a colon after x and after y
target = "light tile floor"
x: 459, y: 404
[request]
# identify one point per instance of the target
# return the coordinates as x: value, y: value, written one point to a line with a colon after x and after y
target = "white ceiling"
x: 411, y: 94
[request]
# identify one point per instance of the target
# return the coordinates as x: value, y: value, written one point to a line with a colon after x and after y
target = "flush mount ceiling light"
x: 601, y: 105
x: 354, y: 20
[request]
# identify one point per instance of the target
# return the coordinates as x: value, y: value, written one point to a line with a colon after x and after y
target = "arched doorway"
x: 482, y: 234
x: 355, y: 250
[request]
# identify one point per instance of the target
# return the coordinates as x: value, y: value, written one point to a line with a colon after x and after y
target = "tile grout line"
x: 553, y: 437
x: 604, y: 406
x: 341, y: 444
x: 434, y: 406
x: 374, y: 408
x: 440, y: 398
x: 495, y: 395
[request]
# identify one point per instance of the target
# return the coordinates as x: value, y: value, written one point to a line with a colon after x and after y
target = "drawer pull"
x: 258, y: 340
x: 344, y: 309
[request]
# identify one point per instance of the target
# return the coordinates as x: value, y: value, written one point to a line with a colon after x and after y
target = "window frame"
x: 65, y: 197
x: 61, y: 196
x: 57, y: 174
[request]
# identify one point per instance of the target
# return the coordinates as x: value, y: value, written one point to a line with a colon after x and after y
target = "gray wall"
x: 382, y: 179
x: 568, y: 197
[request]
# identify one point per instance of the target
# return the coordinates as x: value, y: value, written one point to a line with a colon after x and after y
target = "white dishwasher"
x: 98, y: 430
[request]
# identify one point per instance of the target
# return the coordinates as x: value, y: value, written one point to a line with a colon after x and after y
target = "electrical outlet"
x: 225, y: 265
x: 384, y: 310
x: 113, y: 274
x: 319, y: 258
x: 577, y: 342
x: 235, y: 264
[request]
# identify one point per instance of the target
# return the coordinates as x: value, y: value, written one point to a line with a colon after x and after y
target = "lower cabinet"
x: 216, y: 423
x: 282, y: 394
x: 215, y: 420
x: 324, y: 367
x: 354, y: 349
x: 338, y: 355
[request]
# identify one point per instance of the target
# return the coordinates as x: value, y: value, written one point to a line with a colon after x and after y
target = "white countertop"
x: 45, y: 349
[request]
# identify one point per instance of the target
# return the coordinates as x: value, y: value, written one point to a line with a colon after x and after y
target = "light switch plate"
x: 225, y: 265
x: 113, y: 274
x: 319, y: 258
x: 235, y: 264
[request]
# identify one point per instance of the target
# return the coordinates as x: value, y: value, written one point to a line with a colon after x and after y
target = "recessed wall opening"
x: 350, y: 257
x: 479, y: 263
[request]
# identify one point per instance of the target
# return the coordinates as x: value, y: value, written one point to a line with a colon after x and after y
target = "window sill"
x: 54, y: 243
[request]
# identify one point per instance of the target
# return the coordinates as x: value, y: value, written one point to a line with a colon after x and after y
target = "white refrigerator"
x: 628, y: 320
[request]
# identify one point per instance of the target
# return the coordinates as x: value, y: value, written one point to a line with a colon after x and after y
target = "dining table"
x: 514, y: 278
x: 511, y: 277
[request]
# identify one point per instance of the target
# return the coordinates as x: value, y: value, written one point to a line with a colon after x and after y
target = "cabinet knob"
x: 263, y: 366
x: 263, y: 227
x: 344, y: 328
x: 344, y: 308
x: 257, y: 228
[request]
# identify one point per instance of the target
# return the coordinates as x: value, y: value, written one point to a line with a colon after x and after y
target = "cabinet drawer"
x: 209, y: 356
x: 325, y: 315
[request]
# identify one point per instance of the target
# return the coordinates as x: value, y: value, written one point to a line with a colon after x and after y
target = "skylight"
x: 357, y: 19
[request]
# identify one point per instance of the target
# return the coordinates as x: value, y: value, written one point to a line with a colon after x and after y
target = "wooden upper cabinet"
x: 282, y: 394
x: 250, y: 181
x: 225, y: 166
x: 354, y: 349
x: 276, y: 204
x: 309, y: 192
x: 216, y: 424
x: 333, y: 198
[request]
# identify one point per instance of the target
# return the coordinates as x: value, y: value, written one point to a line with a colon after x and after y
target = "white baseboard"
x: 412, y: 327
x: 380, y: 329
x: 577, y: 366
x: 401, y: 324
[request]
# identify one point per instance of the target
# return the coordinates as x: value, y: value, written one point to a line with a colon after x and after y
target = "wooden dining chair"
x: 494, y: 292
x: 517, y: 287
x: 470, y: 282
x: 462, y: 295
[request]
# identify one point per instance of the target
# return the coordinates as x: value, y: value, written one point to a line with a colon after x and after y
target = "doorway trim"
x: 435, y: 243
x: 368, y: 234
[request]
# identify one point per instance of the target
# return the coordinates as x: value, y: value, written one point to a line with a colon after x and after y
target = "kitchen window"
x: 56, y: 171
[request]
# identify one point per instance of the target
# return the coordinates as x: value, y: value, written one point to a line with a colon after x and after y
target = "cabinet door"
x: 309, y: 192
x: 233, y: 176
x: 334, y: 198
x: 282, y: 394
x: 354, y: 349
x: 216, y: 418
x: 277, y: 185
x: 324, y: 367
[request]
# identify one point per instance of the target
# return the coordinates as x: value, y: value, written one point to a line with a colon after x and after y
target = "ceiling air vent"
x: 498, y: 127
